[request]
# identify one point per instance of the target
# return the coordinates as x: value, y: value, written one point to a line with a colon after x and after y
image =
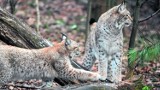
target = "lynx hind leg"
x: 114, y: 69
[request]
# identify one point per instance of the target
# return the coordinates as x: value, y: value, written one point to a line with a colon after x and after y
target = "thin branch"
x: 147, y: 18
x: 88, y: 18
x: 144, y: 37
x: 38, y: 16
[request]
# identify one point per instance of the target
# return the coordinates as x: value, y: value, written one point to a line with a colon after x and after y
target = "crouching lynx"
x: 105, y: 42
x: 46, y: 63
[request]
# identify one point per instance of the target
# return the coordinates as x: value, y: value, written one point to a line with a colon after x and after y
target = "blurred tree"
x: 12, y: 4
x: 135, y: 24
x: 88, y: 18
x: 38, y: 16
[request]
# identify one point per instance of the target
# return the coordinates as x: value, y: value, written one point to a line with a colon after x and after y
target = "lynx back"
x: 46, y: 63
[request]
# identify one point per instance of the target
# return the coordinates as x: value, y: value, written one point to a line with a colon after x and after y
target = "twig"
x: 88, y: 17
x: 38, y: 16
x: 144, y: 37
x: 147, y: 18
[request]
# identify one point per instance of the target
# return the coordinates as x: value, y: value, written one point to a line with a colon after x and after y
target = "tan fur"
x: 46, y: 63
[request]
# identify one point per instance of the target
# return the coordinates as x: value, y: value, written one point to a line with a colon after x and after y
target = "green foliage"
x: 73, y: 26
x: 60, y: 22
x: 45, y: 25
x: 145, y: 88
x: 133, y: 54
x: 148, y: 53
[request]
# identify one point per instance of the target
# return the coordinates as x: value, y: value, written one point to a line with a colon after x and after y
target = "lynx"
x: 46, y: 63
x: 105, y: 42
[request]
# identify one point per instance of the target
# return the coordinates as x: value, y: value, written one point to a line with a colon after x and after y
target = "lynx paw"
x: 95, y: 77
x: 103, y: 78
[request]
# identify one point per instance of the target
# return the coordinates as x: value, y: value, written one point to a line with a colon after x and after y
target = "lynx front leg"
x: 88, y: 60
x: 83, y: 75
x: 67, y: 71
x: 114, y: 68
x: 103, y: 63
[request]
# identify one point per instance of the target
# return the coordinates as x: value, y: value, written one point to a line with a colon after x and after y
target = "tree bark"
x: 135, y: 25
x: 15, y: 32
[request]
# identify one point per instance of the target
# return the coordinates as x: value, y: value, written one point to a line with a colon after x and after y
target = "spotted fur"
x: 105, y: 42
x: 46, y: 63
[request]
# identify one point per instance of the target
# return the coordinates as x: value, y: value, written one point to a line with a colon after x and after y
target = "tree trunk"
x: 135, y: 26
x: 88, y: 18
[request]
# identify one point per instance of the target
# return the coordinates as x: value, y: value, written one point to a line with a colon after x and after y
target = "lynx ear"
x: 122, y: 7
x: 64, y: 37
x: 67, y: 41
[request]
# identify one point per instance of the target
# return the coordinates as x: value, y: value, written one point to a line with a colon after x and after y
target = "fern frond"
x: 132, y: 55
x: 148, y: 53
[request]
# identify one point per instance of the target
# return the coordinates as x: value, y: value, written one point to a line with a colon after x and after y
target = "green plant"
x: 145, y: 88
x: 148, y: 53
x: 60, y: 22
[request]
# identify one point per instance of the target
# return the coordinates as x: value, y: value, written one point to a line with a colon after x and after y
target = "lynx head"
x: 71, y: 45
x: 115, y: 19
x: 124, y: 15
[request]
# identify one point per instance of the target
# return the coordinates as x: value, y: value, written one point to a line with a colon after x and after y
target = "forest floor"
x: 69, y: 17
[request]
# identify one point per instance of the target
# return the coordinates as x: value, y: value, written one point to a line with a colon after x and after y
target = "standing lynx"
x: 46, y: 63
x: 105, y: 42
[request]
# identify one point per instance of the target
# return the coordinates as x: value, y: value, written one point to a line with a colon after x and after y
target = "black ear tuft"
x: 64, y: 37
x: 122, y: 7
x: 92, y: 20
x: 67, y: 41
